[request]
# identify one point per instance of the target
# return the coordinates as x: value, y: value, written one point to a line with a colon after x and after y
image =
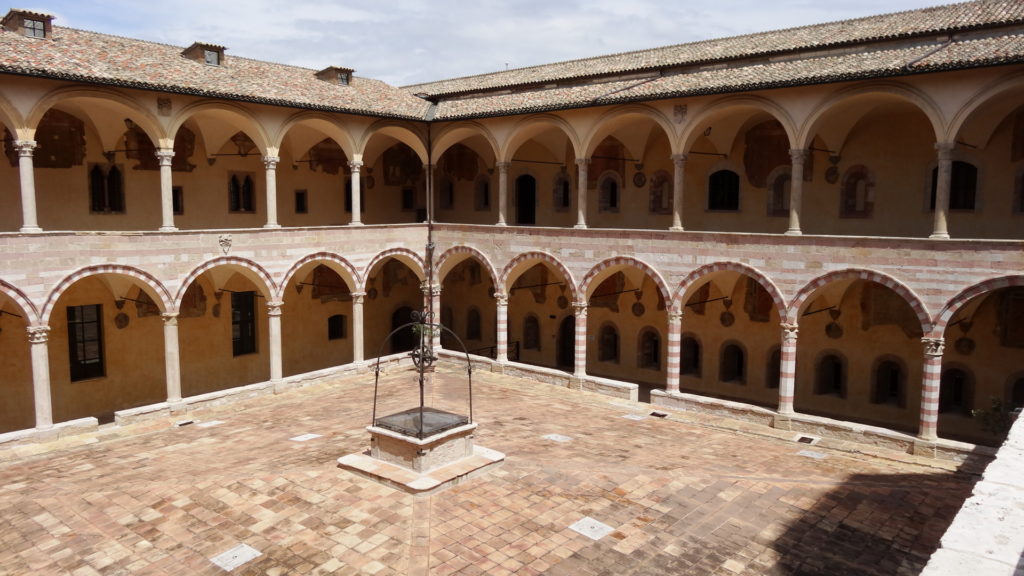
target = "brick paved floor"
x: 681, y: 498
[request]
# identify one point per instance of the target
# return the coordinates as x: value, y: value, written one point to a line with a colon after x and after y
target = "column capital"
x: 933, y: 346
x: 502, y: 166
x: 274, y: 308
x: 270, y: 162
x: 789, y: 331
x: 358, y: 297
x: 502, y: 298
x: 678, y: 159
x: 355, y: 165
x: 798, y: 155
x: 165, y: 156
x: 38, y: 334
x: 170, y: 318
x: 580, y: 308
x: 25, y: 147
x: 675, y: 315
x: 945, y: 150
x: 582, y: 161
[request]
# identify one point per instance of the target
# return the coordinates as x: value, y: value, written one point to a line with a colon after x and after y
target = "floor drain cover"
x: 659, y: 414
x: 557, y: 438
x: 235, y: 557
x: 304, y: 437
x: 634, y: 417
x: 592, y: 528
x: 812, y: 454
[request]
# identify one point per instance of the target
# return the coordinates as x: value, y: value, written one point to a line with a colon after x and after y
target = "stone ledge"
x: 482, y: 461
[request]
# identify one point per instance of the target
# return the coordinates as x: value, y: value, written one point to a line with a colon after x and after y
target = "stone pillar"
x: 432, y: 302
x: 26, y: 171
x: 357, y: 187
x: 502, y: 191
x: 501, y: 343
x: 165, y: 156
x: 37, y: 338
x: 928, y: 429
x: 787, y: 368
x: 675, y: 331
x: 172, y: 361
x: 357, y: 326
x: 581, y: 192
x: 271, y: 164
x: 580, y: 350
x: 274, y: 337
x: 943, y: 180
x: 679, y: 165
x: 429, y: 169
x: 796, y: 190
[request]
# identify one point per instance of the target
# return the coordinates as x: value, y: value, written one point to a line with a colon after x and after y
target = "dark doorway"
x: 405, y: 339
x: 566, y: 355
x: 526, y: 200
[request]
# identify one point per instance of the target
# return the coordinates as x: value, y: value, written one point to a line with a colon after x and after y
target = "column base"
x: 271, y: 225
x: 794, y: 232
x: 30, y: 229
x: 501, y: 224
x: 168, y: 228
x: 676, y: 228
x: 580, y: 226
x: 923, y: 447
x: 355, y: 224
x: 939, y: 236
x: 782, y: 421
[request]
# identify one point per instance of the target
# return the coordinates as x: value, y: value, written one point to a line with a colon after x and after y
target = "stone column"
x: 502, y: 191
x: 274, y: 337
x: 172, y: 361
x: 271, y: 164
x: 165, y: 156
x: 581, y: 192
x: 358, y: 355
x: 501, y: 343
x: 580, y: 350
x: 796, y: 190
x: 37, y: 338
x: 357, y: 204
x: 679, y: 165
x: 943, y: 180
x: 929, y: 419
x: 432, y: 302
x: 787, y: 368
x: 675, y: 331
x: 26, y: 171
x: 429, y: 169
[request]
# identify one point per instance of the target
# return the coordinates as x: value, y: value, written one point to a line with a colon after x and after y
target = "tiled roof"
x: 881, y: 63
x: 112, y: 60
x: 901, y: 25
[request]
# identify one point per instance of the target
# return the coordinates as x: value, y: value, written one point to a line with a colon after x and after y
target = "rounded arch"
x: 518, y: 263
x: 397, y: 131
x: 531, y: 126
x: 403, y: 255
x: 142, y: 118
x: 337, y: 263
x: 696, y: 126
x: 994, y: 92
x: 968, y: 294
x: 617, y: 263
x: 251, y: 270
x: 321, y: 122
x: 155, y: 287
x: 908, y: 295
x: 918, y: 98
x: 459, y: 253
x: 11, y: 118
x: 614, y: 118
x: 757, y: 275
x: 18, y: 297
x: 241, y: 116
x: 451, y: 134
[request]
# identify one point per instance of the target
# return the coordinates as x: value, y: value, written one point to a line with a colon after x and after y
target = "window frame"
x: 716, y: 198
x: 243, y: 316
x: 85, y: 366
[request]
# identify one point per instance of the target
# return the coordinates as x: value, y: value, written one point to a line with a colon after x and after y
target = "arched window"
x: 562, y: 192
x: 831, y: 376
x: 531, y: 333
x: 608, y: 345
x: 733, y: 366
x: 661, y: 193
x: 336, y: 327
x: 857, y: 193
x: 649, y: 350
x: 955, y: 393
x: 778, y: 193
x: 608, y: 193
x: 773, y: 372
x: 106, y: 190
x: 724, y: 191
x: 689, y: 356
x: 240, y: 193
x: 473, y: 324
x: 482, y: 193
x: 889, y: 384
x: 963, y: 186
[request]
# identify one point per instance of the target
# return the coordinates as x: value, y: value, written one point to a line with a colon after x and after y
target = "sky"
x: 405, y: 42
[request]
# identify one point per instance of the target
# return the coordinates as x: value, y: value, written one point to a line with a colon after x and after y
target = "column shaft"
x: 678, y: 174
x: 796, y: 190
x: 675, y: 331
x: 580, y: 350
x: 26, y: 171
x: 928, y: 428
x: 357, y: 203
x: 274, y: 336
x: 172, y: 359
x: 357, y: 326
x: 165, y: 156
x: 581, y: 192
x: 502, y: 192
x: 38, y: 337
x: 943, y: 182
x: 501, y: 341
x: 787, y: 368
x: 270, y: 162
